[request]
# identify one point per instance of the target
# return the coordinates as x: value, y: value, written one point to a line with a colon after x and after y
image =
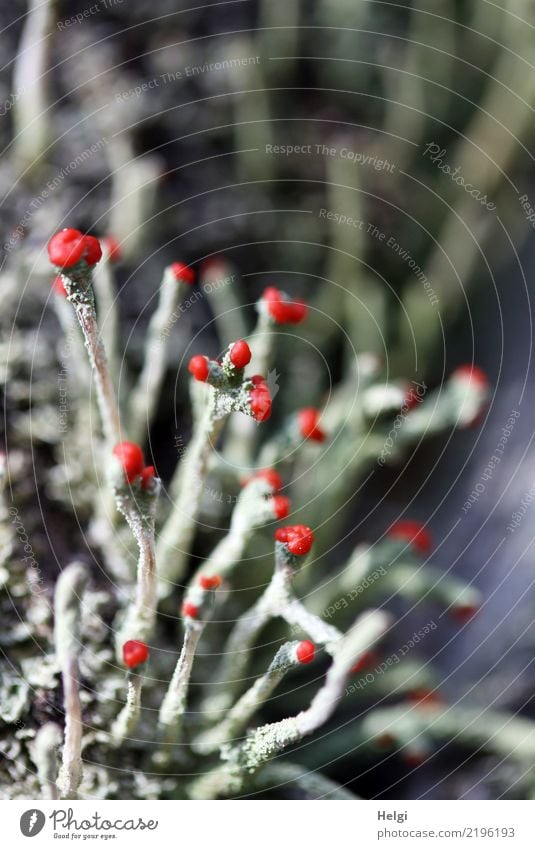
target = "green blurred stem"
x: 146, y: 392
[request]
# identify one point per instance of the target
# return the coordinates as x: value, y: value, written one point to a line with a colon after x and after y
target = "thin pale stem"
x: 69, y: 589
x: 175, y: 700
x: 71, y: 770
x: 107, y: 402
x: 107, y: 308
x: 174, y: 545
x: 127, y: 721
x: 141, y: 617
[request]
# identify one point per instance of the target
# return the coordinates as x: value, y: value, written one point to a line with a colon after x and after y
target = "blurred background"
x: 373, y: 158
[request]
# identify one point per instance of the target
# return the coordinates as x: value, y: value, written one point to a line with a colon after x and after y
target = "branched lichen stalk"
x: 265, y: 742
x: 277, y: 600
x: 241, y: 434
x: 238, y: 717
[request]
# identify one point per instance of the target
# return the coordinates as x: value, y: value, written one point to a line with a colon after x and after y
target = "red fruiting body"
x: 199, y: 367
x: 281, y: 506
x: 283, y: 310
x: 411, y: 400
x: 271, y: 476
x: 183, y: 272
x: 190, y: 610
x: 59, y: 287
x: 210, y: 582
x: 385, y: 740
x: 147, y: 476
x: 66, y: 248
x: 131, y: 459
x: 92, y: 250
x: 414, y: 758
x: 305, y: 651
x: 135, y: 653
x: 472, y: 374
x: 113, y: 248
x: 414, y: 533
x: 260, y: 399
x: 307, y: 420
x: 365, y: 661
x: 69, y: 247
x: 424, y: 696
x: 464, y: 612
x: 240, y: 354
x: 298, y: 538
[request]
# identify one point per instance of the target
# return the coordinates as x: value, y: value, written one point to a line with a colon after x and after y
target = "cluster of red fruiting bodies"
x: 281, y: 309
x: 298, y: 539
x: 69, y: 247
x: 239, y: 356
x: 132, y: 460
